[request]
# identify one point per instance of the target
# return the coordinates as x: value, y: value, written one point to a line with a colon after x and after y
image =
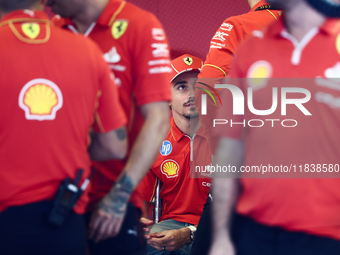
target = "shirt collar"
x: 177, y: 134
x: 22, y: 14
x: 175, y: 131
x: 109, y: 14
x: 261, y: 3
x: 113, y: 8
x: 330, y: 27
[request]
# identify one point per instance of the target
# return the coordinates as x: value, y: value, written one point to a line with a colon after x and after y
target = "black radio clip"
x: 67, y: 196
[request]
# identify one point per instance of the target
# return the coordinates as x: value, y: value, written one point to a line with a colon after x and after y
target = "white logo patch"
x: 333, y: 72
x: 160, y: 50
x: 112, y: 56
x: 227, y: 26
x: 220, y: 36
x: 158, y: 34
x: 161, y: 69
x: 118, y: 82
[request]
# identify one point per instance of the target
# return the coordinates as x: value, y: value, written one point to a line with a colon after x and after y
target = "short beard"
x: 190, y: 115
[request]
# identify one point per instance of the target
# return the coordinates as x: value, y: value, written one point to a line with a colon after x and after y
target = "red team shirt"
x: 183, y: 197
x: 135, y: 46
x: 226, y: 39
x: 48, y: 108
x: 308, y: 205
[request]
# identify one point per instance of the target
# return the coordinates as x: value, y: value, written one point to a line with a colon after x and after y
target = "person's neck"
x: 185, y: 125
x: 90, y: 14
x: 252, y: 3
x: 300, y: 18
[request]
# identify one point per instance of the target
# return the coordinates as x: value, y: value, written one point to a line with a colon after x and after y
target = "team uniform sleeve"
x: 216, y: 67
x: 147, y: 187
x: 222, y: 48
x: 238, y: 77
x: 152, y: 71
x: 109, y: 114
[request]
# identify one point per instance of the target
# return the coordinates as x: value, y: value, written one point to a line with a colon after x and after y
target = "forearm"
x: 146, y: 147
x: 225, y: 188
x: 110, y: 145
x: 224, y: 194
x: 146, y: 206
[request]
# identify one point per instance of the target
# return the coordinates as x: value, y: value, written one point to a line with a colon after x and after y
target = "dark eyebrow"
x: 180, y: 83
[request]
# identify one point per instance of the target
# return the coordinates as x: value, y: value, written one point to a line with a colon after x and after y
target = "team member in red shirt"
x: 135, y: 46
x: 51, y: 96
x: 227, y: 38
x: 285, y: 215
x: 233, y: 31
x: 183, y: 197
x: 223, y: 45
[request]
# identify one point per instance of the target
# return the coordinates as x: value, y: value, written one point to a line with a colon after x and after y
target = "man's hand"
x: 107, y: 219
x: 146, y: 223
x: 170, y: 239
x: 222, y: 246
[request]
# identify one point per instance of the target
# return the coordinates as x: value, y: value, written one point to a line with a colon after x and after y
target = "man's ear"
x: 170, y: 106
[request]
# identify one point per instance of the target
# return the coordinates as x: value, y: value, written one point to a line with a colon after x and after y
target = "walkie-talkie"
x: 66, y: 198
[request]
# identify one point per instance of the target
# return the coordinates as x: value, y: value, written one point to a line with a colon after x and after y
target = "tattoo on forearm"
x: 121, y: 133
x: 115, y: 202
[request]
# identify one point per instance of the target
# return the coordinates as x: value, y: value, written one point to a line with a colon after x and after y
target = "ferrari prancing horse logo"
x: 188, y: 61
x: 119, y: 28
x: 31, y: 30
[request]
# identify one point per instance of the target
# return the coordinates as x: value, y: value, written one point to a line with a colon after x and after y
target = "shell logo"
x: 170, y: 168
x: 40, y: 99
x: 338, y: 43
x: 259, y: 73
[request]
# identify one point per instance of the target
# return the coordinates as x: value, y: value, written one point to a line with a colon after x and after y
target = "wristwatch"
x: 192, y: 232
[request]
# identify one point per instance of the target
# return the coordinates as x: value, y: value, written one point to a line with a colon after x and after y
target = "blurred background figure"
x: 135, y: 46
x: 284, y: 215
x: 217, y: 65
x: 48, y: 103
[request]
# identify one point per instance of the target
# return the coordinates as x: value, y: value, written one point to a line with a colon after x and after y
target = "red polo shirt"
x: 308, y: 205
x: 228, y: 37
x: 231, y: 33
x: 183, y: 197
x: 51, y: 95
x: 135, y: 46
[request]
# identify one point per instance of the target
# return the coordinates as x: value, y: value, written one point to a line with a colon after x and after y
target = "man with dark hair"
x: 284, y: 215
x: 51, y: 96
x: 183, y: 148
x: 135, y: 46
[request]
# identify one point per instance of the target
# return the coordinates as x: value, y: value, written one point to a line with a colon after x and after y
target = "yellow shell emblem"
x: 338, y: 44
x: 40, y: 99
x: 119, y: 28
x: 188, y: 61
x: 31, y: 30
x: 170, y: 168
x: 259, y: 73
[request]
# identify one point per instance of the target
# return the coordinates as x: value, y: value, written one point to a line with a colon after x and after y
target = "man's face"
x: 66, y: 8
x: 183, y: 96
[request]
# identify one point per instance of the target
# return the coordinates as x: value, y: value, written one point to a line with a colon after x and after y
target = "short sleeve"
x: 222, y: 48
x: 109, y: 113
x: 147, y: 187
x: 152, y: 70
